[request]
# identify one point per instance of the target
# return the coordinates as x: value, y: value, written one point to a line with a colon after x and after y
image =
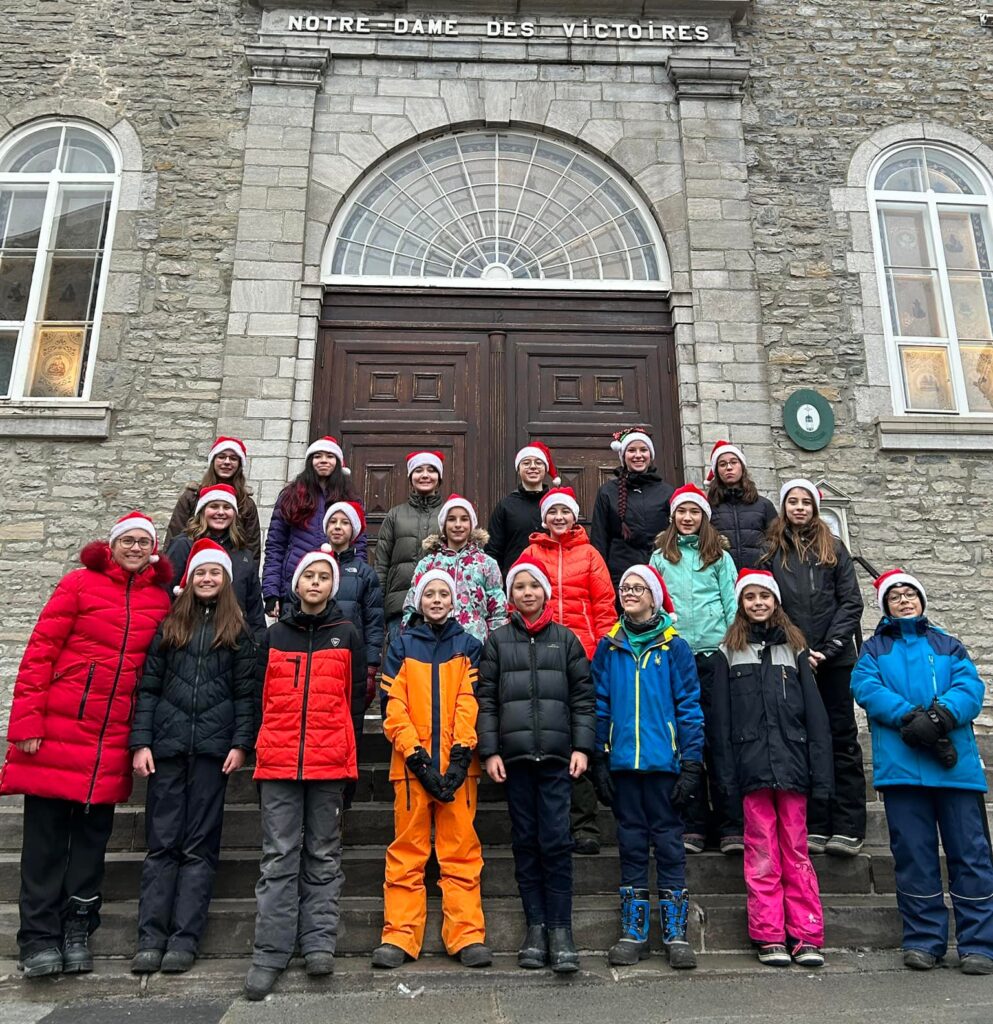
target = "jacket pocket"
x: 296, y: 670
x: 86, y: 690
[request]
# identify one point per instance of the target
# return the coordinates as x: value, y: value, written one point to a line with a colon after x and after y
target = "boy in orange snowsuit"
x: 430, y: 718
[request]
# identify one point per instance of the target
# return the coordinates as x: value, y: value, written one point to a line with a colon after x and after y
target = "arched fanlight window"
x: 933, y: 248
x: 58, y: 193
x: 496, y: 209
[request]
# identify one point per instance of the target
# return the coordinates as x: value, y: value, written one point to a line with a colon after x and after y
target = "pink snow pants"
x: 783, y: 897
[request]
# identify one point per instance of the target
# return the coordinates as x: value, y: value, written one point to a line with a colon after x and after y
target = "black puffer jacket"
x: 360, y: 599
x: 513, y: 521
x: 535, y: 694
x: 197, y: 699
x: 245, y: 578
x: 824, y: 601
x: 767, y: 727
x: 744, y: 524
x: 647, y: 516
x: 398, y: 546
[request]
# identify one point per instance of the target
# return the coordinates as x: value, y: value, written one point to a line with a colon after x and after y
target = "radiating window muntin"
x: 497, y: 209
x: 933, y: 245
x: 58, y: 196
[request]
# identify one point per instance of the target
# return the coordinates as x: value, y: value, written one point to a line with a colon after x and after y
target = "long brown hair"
x: 719, y: 492
x: 229, y: 622
x: 238, y: 481
x: 710, y: 545
x: 300, y: 497
x: 197, y: 527
x: 736, y: 638
x: 816, y: 537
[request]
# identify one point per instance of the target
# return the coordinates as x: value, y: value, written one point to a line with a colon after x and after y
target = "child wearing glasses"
x: 648, y: 761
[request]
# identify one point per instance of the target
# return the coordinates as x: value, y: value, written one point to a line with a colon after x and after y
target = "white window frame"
x: 663, y: 283
x: 25, y: 350
x: 929, y: 201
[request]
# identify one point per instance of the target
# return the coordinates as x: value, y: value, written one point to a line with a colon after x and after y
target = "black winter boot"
x: 76, y: 955
x: 632, y: 946
x: 674, y: 905
x: 562, y: 954
x: 533, y: 953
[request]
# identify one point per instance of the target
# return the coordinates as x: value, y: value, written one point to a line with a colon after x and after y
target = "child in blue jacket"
x: 921, y: 692
x: 648, y: 763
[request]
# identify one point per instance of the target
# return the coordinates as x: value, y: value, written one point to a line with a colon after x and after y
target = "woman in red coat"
x: 68, y: 736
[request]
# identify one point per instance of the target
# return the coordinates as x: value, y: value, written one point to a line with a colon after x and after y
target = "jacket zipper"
x: 196, y: 680
x: 561, y: 617
x: 86, y: 690
x: 113, y: 690
x: 637, y: 712
x: 306, y: 695
x: 934, y: 678
x: 534, y: 699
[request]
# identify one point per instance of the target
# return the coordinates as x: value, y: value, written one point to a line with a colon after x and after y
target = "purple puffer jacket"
x: 285, y: 545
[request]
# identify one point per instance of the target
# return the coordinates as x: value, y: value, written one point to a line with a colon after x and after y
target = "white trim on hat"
x: 216, y: 494
x: 324, y: 555
x: 530, y: 452
x: 205, y: 556
x: 628, y: 439
x: 648, y: 577
x: 550, y: 500
x: 433, y: 576
x: 139, y: 522
x: 726, y: 449
x: 896, y: 578
x: 456, y: 501
x: 416, y: 459
x: 681, y: 497
x: 756, y: 578
x: 807, y: 485
x: 347, y: 509
x: 232, y: 444
x: 528, y: 566
x: 325, y: 444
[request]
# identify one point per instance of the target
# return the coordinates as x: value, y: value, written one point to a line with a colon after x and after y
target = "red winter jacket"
x: 76, y: 684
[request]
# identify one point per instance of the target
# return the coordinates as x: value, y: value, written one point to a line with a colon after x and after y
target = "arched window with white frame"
x: 59, y: 185
x: 932, y: 239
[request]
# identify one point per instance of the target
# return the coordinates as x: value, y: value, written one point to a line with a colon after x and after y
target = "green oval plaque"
x: 809, y: 419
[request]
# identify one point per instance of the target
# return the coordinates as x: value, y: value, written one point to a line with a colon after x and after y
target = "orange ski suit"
x: 428, y: 681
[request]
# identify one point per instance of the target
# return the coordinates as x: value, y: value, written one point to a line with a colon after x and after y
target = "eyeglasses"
x: 136, y: 542
x: 636, y: 591
x: 903, y: 596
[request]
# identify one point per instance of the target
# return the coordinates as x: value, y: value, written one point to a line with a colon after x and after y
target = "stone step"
x: 717, y: 924
x: 705, y: 873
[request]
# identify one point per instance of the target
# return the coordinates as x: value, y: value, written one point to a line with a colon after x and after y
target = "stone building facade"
x: 748, y: 131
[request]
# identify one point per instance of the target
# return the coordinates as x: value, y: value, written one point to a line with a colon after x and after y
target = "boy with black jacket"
x: 536, y: 731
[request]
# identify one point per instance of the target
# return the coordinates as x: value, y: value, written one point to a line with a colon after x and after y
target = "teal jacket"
x: 703, y: 598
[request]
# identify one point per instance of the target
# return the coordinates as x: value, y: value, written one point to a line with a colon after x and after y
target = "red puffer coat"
x: 582, y: 594
x: 76, y: 684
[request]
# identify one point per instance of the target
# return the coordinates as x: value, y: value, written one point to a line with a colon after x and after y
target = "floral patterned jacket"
x: 480, y: 604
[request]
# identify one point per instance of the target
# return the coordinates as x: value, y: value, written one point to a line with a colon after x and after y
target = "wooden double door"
x: 477, y: 374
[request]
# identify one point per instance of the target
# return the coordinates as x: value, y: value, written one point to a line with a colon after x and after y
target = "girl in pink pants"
x: 771, y: 747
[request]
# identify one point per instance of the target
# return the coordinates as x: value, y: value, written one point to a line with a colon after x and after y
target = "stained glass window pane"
x: 927, y: 378
x: 977, y: 365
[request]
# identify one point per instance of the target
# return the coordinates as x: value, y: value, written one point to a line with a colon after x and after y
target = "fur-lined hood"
x: 97, y: 557
x: 435, y: 542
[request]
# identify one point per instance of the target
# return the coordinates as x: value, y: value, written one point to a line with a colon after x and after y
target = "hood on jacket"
x: 422, y: 502
x: 98, y: 557
x: 435, y: 542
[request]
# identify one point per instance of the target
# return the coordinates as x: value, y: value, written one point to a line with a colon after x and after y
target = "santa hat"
x: 324, y: 554
x: 536, y: 569
x: 229, y: 444
x: 559, y: 496
x: 436, y: 459
x: 330, y: 445
x: 624, y: 438
x: 689, y: 493
x: 432, y: 576
x: 652, y: 579
x: 723, y: 448
x: 756, y: 578
x: 811, y: 488
x: 456, y: 501
x: 216, y: 492
x: 136, y: 521
x: 896, y: 578
x: 353, y: 510
x: 537, y: 450
x: 204, y: 552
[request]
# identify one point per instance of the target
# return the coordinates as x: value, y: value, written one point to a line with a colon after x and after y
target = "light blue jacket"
x: 908, y: 663
x: 703, y: 598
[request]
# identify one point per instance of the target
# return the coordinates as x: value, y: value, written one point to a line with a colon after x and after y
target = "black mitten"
x: 602, y: 781
x: 689, y: 787
x: 459, y: 759
x: 428, y: 776
x: 919, y: 730
x: 944, y: 750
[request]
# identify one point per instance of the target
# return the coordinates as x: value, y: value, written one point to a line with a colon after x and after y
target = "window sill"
x: 64, y: 420
x: 935, y: 433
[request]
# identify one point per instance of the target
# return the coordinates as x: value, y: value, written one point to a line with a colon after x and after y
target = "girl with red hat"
x: 227, y: 463
x: 194, y: 724
x: 738, y: 511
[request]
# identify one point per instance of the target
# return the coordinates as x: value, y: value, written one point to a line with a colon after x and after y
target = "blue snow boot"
x: 632, y: 946
x: 674, y: 906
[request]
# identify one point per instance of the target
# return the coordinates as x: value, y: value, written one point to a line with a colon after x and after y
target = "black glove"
x: 602, y: 781
x: 689, y: 787
x: 944, y: 750
x: 428, y: 776
x: 924, y: 727
x: 270, y: 605
x: 459, y: 760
